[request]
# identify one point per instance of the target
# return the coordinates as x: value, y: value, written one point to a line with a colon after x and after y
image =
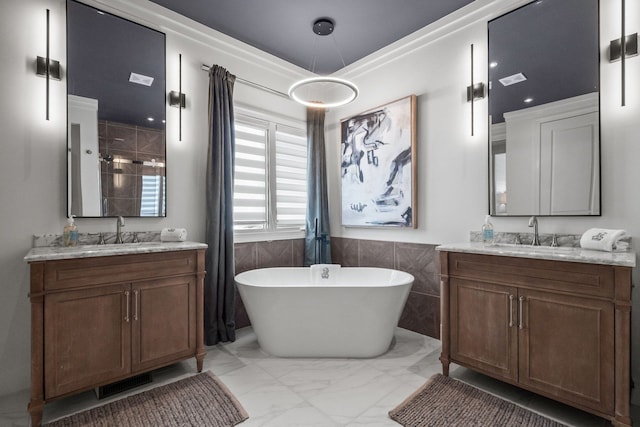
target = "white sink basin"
x: 530, y: 248
x: 137, y: 244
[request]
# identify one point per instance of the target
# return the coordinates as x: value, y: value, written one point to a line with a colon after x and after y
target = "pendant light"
x: 323, y: 91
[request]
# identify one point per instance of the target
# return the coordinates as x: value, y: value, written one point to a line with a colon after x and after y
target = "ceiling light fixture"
x: 323, y: 91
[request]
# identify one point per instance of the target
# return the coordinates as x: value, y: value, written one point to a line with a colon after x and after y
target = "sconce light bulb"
x: 528, y: 100
x: 150, y: 119
x: 493, y: 64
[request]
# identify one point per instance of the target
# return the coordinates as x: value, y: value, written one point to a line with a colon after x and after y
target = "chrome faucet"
x: 533, y: 222
x: 325, y: 273
x: 119, y: 225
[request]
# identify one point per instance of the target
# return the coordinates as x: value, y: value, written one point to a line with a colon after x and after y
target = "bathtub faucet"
x: 325, y: 273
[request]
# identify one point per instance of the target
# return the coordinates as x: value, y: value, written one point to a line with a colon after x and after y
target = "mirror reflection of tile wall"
x: 132, y: 169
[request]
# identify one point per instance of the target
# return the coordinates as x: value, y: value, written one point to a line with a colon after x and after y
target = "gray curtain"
x: 317, y: 247
x: 219, y: 292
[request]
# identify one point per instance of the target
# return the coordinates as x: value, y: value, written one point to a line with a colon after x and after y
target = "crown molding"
x: 155, y: 16
x: 476, y: 12
x: 164, y: 20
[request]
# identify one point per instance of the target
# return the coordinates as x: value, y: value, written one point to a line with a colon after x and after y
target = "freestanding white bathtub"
x: 296, y: 312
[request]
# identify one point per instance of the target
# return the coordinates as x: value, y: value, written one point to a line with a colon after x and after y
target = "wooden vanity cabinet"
x: 103, y: 319
x: 560, y: 329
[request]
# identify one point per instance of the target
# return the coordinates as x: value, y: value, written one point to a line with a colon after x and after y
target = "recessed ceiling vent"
x: 141, y: 79
x: 513, y: 79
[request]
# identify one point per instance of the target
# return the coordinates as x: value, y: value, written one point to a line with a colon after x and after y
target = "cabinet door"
x: 87, y: 338
x: 164, y: 321
x: 484, y: 328
x: 567, y: 348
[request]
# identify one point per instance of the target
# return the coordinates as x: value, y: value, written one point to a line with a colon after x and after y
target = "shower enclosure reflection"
x: 116, y: 115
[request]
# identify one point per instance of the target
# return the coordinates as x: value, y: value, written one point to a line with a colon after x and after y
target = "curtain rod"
x: 252, y: 84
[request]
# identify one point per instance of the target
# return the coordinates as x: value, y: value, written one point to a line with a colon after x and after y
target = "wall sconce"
x: 178, y: 99
x: 474, y: 91
x: 622, y: 48
x: 630, y: 47
x: 47, y: 67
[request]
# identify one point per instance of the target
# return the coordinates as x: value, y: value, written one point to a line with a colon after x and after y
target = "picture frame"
x: 378, y: 166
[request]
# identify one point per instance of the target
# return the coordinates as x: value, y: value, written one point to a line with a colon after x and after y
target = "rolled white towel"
x: 621, y: 246
x: 173, y: 234
x: 601, y: 239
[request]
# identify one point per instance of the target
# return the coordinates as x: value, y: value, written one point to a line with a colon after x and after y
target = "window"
x: 153, y: 200
x: 270, y: 183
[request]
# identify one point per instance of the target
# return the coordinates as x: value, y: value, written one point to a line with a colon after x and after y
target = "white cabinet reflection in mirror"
x: 562, y: 138
x: 84, y: 178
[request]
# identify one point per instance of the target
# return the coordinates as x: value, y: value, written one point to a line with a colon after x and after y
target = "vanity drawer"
x: 571, y: 277
x: 84, y: 272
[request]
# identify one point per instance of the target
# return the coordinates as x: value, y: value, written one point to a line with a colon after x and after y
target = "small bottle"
x: 487, y: 231
x: 70, y: 233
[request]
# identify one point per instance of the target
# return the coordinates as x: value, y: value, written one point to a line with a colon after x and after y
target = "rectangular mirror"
x: 544, y: 136
x: 115, y: 116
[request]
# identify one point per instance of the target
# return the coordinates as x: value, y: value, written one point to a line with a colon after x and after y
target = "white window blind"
x: 152, y: 202
x: 291, y: 176
x: 250, y: 180
x: 270, y: 188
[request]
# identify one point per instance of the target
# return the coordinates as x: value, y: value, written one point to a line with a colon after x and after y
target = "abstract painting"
x: 378, y: 166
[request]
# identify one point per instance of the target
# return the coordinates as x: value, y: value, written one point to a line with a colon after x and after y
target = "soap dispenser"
x: 487, y: 231
x: 70, y: 233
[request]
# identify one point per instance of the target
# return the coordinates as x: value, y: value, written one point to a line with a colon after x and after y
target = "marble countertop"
x: 562, y: 253
x: 88, y: 251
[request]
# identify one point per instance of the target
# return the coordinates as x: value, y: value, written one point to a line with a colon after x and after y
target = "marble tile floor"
x: 279, y: 392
